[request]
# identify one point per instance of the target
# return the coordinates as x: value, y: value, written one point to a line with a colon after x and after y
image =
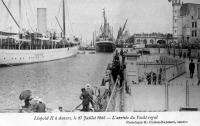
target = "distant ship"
x: 26, y: 47
x: 104, y: 41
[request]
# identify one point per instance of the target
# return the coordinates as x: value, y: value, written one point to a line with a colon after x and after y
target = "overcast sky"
x: 86, y: 15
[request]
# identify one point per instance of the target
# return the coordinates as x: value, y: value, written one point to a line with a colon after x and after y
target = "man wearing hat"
x: 91, y: 93
x: 38, y: 105
x: 85, y: 100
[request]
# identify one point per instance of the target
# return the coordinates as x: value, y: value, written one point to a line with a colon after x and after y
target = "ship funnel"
x: 42, y: 20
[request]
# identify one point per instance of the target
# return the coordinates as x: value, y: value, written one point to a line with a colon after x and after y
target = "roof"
x: 7, y: 33
x: 186, y: 8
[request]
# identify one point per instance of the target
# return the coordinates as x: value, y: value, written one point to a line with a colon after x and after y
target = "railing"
x: 112, y: 100
x: 174, y: 71
x: 165, y: 69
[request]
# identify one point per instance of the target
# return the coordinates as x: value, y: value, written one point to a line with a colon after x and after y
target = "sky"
x: 83, y: 17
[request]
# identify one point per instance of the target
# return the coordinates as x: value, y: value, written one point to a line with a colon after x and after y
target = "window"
x: 194, y: 33
x: 199, y: 13
x: 195, y: 24
x: 145, y: 41
x: 175, y: 20
x: 151, y: 41
x: 174, y: 31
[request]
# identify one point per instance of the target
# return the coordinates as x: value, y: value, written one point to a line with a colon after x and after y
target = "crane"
x: 121, y: 30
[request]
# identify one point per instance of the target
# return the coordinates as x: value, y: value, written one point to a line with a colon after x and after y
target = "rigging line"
x: 23, y: 21
x: 59, y: 23
x: 29, y: 22
x: 11, y: 15
x: 31, y: 10
x: 27, y: 18
x: 7, y: 19
x: 7, y: 15
x: 59, y: 8
x: 70, y: 23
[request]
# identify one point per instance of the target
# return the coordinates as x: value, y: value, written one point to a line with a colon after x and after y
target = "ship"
x: 105, y: 41
x: 25, y: 47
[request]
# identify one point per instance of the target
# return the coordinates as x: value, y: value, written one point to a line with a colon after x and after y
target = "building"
x: 152, y: 38
x: 186, y: 21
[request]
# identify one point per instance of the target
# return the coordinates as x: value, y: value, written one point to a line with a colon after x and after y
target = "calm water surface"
x: 58, y: 83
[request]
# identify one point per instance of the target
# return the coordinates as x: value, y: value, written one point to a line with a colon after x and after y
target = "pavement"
x: 152, y: 97
x: 186, y: 77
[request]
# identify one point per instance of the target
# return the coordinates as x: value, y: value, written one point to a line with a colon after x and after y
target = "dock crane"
x: 120, y: 32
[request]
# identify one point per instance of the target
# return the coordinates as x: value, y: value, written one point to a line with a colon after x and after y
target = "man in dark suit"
x: 191, y: 68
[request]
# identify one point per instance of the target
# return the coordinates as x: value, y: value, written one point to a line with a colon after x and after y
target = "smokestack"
x: 42, y: 20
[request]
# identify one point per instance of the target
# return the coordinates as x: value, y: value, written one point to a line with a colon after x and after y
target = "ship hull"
x: 105, y: 46
x: 18, y: 57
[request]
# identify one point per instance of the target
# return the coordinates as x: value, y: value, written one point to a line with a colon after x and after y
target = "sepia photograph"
x: 68, y: 56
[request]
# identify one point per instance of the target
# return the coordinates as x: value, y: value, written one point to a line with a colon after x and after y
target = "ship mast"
x: 64, y: 19
x: 20, y: 14
x: 105, y: 23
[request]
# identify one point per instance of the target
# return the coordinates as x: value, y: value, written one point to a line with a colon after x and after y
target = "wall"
x: 176, y: 68
x: 194, y: 52
x: 171, y: 68
x: 175, y: 71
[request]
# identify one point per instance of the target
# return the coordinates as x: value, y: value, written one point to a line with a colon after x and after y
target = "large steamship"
x: 104, y: 41
x: 25, y: 47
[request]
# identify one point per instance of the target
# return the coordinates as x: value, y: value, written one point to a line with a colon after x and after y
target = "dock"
x: 154, y: 83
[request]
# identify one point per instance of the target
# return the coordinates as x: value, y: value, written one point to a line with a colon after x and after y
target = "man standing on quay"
x: 191, y: 68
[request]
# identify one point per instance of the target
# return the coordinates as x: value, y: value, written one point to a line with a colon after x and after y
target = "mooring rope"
x: 117, y: 81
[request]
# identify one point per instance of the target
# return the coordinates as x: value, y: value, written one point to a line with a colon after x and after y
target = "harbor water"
x: 58, y: 82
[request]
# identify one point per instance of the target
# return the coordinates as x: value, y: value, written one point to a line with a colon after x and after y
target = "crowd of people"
x: 153, y: 78
x: 118, y: 67
x: 184, y: 54
x: 114, y: 71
